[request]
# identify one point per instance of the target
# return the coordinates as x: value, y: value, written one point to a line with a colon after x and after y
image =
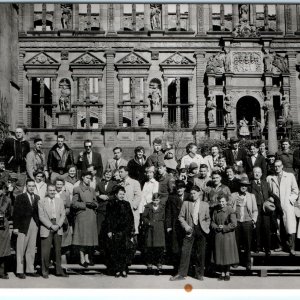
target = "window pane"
x: 184, y: 8
x: 47, y: 82
x: 127, y: 8
x: 50, y: 7
x: 272, y: 10
x: 215, y: 8
x: 227, y: 9
x: 172, y: 8
x: 139, y: 8
x: 95, y: 9
x: 82, y: 8
x: 38, y: 7
x: 259, y: 8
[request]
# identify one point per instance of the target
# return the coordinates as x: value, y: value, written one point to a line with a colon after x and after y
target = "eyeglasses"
x: 88, y: 146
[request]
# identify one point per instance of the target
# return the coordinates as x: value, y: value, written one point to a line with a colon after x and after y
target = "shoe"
x: 32, y: 274
x: 248, y: 267
x: 177, y: 277
x: 149, y: 267
x: 21, y: 275
x: 292, y: 253
x: 45, y: 276
x: 91, y: 263
x: 85, y: 264
x: 227, y: 278
x: 5, y: 276
x: 235, y: 266
x: 199, y: 277
x: 278, y: 250
x: 268, y: 253
x: 124, y: 274
x: 118, y: 274
x: 62, y: 275
x: 159, y: 266
x: 221, y: 277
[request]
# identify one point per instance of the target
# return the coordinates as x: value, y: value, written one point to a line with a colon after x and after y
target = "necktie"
x: 196, y: 212
x: 258, y: 182
x: 31, y: 199
x: 235, y: 154
x: 116, y: 164
x: 53, y: 214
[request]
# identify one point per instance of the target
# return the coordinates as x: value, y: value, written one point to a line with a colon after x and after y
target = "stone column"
x: 266, y: 18
x: 89, y: 16
x: 42, y: 102
x: 200, y: 107
x: 165, y: 101
x: 56, y: 17
x: 252, y: 14
x: 279, y: 17
x: 101, y: 16
x: 235, y: 15
x: 76, y: 16
x: 298, y: 17
x: 29, y: 101
x: 288, y: 19
x: 76, y: 87
x: 110, y: 88
x: 44, y: 12
x: 31, y: 16
x: 210, y: 18
x: 200, y: 14
x: 178, y: 107
x: 54, y: 100
x: 21, y: 92
x: 222, y: 21
x: 165, y: 16
x: 110, y: 20
x: 293, y: 87
x: 190, y: 108
x: 145, y: 108
x: 21, y: 18
x: 134, y: 17
x: 147, y: 23
x: 120, y: 101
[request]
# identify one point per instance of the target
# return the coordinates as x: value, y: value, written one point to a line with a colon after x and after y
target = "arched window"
x: 43, y: 17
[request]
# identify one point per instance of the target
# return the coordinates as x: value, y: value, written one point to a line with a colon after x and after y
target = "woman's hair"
x: 138, y: 149
x: 72, y: 166
x: 216, y: 172
x: 195, y: 188
x: 118, y: 188
x: 85, y: 173
x: 221, y: 196
x: 38, y: 171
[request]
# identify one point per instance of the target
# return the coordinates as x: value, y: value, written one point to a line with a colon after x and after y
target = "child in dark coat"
x: 225, y: 249
x: 154, y: 222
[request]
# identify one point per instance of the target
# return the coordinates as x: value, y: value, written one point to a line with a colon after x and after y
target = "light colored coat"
x: 208, y: 160
x: 288, y: 193
x: 186, y: 215
x: 35, y: 161
x: 111, y: 164
x: 134, y: 196
x: 45, y: 215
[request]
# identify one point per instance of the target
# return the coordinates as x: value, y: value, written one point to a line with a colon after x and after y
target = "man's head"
x: 180, y: 187
x: 253, y: 149
x: 92, y: 170
x: 278, y: 166
x: 222, y: 162
x: 88, y: 144
x: 117, y: 151
x: 19, y: 133
x: 86, y: 177
x: 155, y: 199
x: 285, y: 145
x: 72, y: 171
x: 244, y: 184
x: 51, y: 190
x: 191, y: 148
x: 229, y: 172
x: 59, y: 184
x: 139, y: 152
x: 214, y: 150
x: 262, y: 146
x: 123, y: 171
x: 162, y: 169
x: 257, y: 173
x: 38, y: 176
x: 60, y: 140
x: 234, y: 143
x: 193, y: 168
x: 30, y: 186
x: 216, y: 177
x: 203, y: 171
x: 38, y: 144
x: 157, y: 144
x: 107, y: 174
x: 195, y: 193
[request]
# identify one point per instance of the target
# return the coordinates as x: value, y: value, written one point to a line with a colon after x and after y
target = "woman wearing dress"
x: 120, y: 230
x: 225, y: 252
x: 84, y: 203
x: 244, y: 130
x: 71, y: 180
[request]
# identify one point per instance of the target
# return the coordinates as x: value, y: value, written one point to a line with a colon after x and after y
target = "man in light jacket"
x: 284, y: 185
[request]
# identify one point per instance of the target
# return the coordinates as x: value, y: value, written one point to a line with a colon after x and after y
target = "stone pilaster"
x: 200, y: 18
x: 147, y: 23
x: 235, y: 15
x: 293, y: 87
x: 30, y: 12
x: 280, y: 17
x: 21, y: 91
x: 57, y: 16
x: 29, y: 101
x: 288, y: 19
x: 110, y: 20
x: 110, y: 89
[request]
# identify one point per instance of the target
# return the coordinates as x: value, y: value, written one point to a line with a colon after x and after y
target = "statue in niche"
x: 227, y: 60
x: 285, y: 105
x: 266, y: 107
x: 66, y: 16
x: 227, y: 110
x: 244, y: 129
x: 244, y: 13
x: 154, y: 96
x: 281, y: 64
x: 155, y: 16
x: 65, y: 95
x: 210, y: 106
x: 268, y: 60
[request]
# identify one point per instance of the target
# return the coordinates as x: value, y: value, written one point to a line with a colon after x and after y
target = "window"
x: 43, y: 17
x: 133, y: 17
x: 221, y: 17
x: 260, y: 17
x: 219, y: 111
x: 178, y: 107
x: 41, y: 103
x: 272, y: 17
x: 132, y: 107
x: 89, y: 17
x: 266, y: 17
x: 216, y: 17
x: 277, y: 106
x: 178, y: 17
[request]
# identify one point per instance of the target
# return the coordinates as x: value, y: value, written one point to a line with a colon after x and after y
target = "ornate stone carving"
x: 42, y: 59
x: 154, y: 55
x: 286, y: 106
x: 210, y: 107
x: 216, y: 63
x: 247, y: 61
x: 65, y: 95
x: 154, y: 96
x: 227, y: 110
x: 177, y: 59
x: 64, y: 55
x: 155, y: 16
x: 244, y: 13
x: 87, y: 59
x: 66, y: 16
x: 274, y: 63
x: 132, y: 59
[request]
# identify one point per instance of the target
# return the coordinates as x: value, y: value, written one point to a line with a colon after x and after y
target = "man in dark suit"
x: 195, y: 219
x: 235, y: 153
x: 230, y: 180
x: 90, y: 157
x: 174, y: 228
x: 25, y: 226
x: 260, y: 188
x: 255, y: 160
x: 52, y: 215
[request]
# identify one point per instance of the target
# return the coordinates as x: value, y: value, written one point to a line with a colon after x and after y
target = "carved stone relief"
x: 177, y: 59
x: 66, y: 16
x: 246, y: 61
x: 65, y: 95
x: 155, y: 97
x: 155, y: 16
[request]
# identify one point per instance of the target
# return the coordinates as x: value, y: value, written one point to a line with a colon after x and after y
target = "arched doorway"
x: 248, y: 107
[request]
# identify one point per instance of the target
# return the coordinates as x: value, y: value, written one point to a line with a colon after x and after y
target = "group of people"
x: 203, y: 214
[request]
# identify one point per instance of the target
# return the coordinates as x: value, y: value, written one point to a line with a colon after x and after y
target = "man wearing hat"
x: 235, y: 153
x: 284, y: 186
x: 157, y: 156
x: 191, y: 157
x: 260, y: 188
x: 244, y: 204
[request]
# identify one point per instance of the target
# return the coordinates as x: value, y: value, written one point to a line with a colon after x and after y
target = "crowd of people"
x: 201, y: 214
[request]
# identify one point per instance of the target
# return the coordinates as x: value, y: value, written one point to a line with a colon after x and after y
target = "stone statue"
x: 210, y: 68
x: 227, y: 110
x: 281, y: 64
x: 244, y: 129
x: 256, y: 131
x: 155, y: 16
x: 65, y: 95
x: 210, y: 106
x: 66, y: 16
x: 216, y: 63
x: 268, y: 61
x: 154, y: 96
x: 244, y: 13
x: 266, y: 107
x: 285, y: 104
x: 227, y: 61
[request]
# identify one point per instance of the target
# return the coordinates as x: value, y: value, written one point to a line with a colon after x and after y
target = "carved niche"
x: 155, y: 16
x: 65, y: 95
x: 154, y: 96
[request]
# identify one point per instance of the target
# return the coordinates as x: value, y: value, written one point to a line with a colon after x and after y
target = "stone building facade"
x: 123, y: 74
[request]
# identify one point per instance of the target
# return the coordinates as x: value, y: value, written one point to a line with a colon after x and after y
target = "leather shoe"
x: 199, y: 277
x: 62, y: 275
x: 118, y: 274
x: 227, y: 278
x: 32, y: 274
x: 21, y: 275
x: 221, y: 277
x: 85, y: 264
x: 5, y: 276
x: 177, y: 277
x: 248, y: 267
x: 124, y: 274
x: 45, y: 276
x: 292, y: 253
